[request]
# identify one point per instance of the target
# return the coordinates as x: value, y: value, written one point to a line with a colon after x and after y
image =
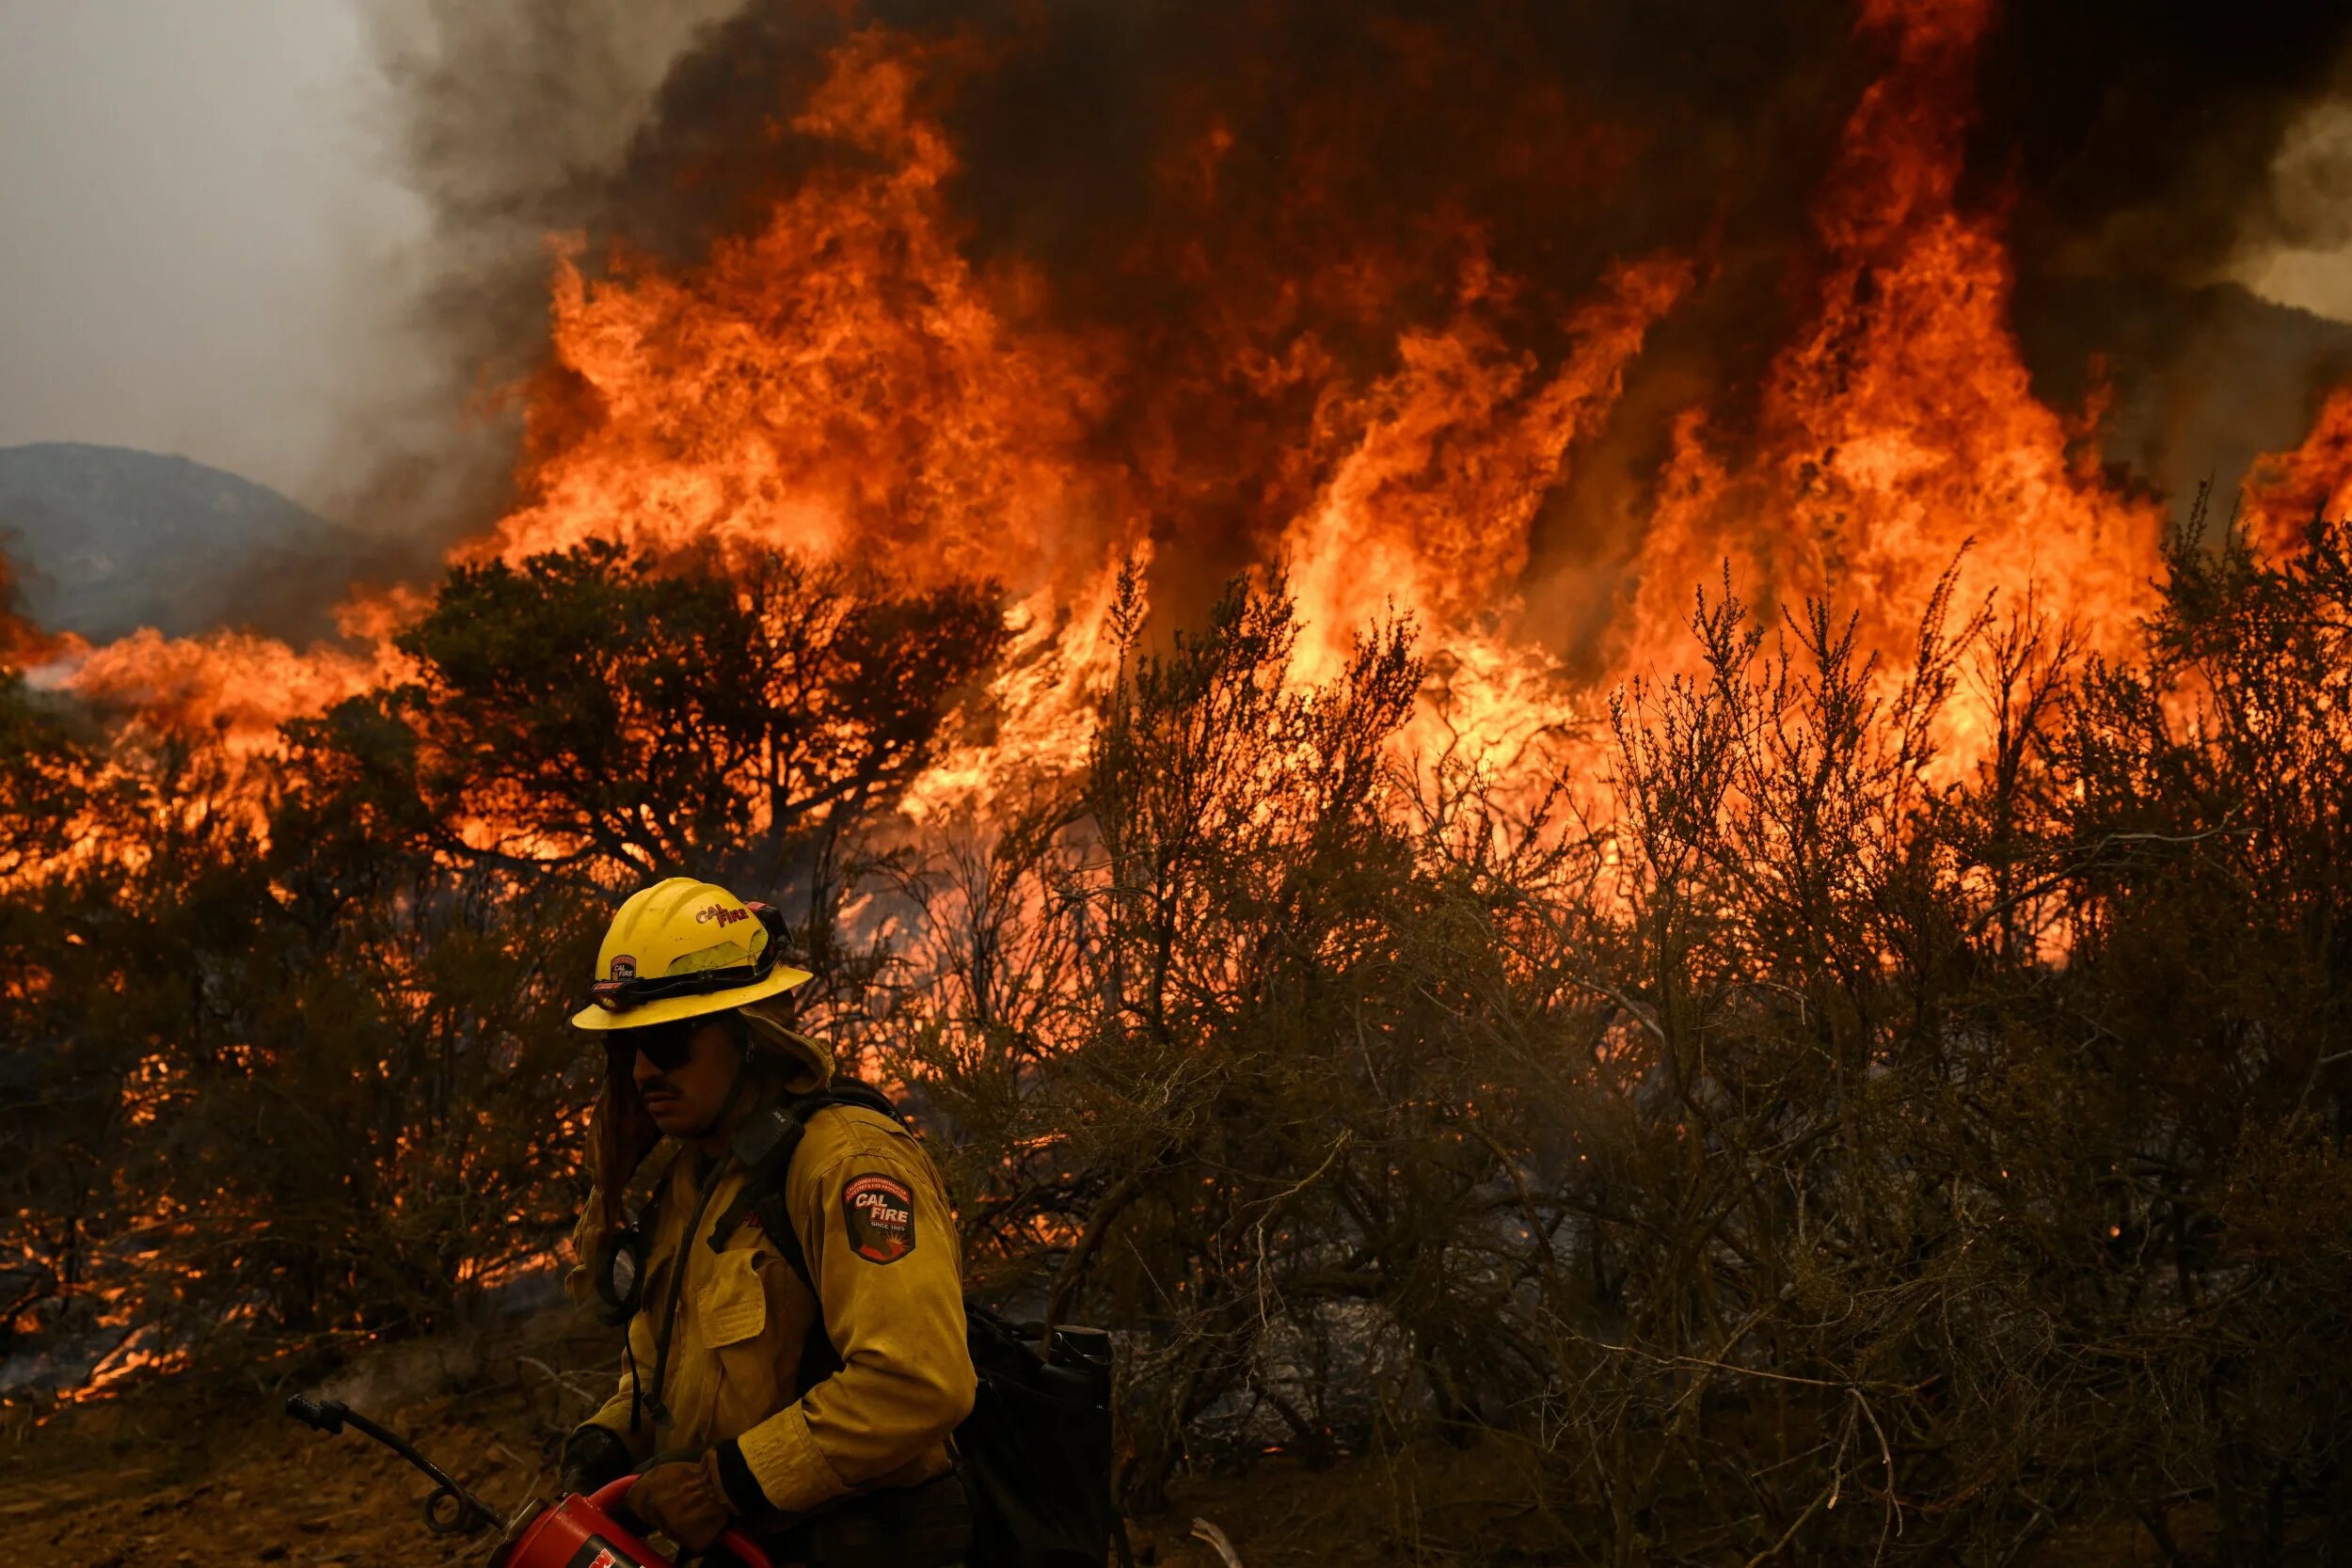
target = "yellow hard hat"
x: 682, y: 948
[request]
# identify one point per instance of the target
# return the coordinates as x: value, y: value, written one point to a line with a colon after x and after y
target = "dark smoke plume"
x: 2139, y: 137
x: 2137, y: 149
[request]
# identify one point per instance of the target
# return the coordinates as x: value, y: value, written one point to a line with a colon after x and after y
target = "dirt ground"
x: 212, y: 1474
x: 209, y: 1473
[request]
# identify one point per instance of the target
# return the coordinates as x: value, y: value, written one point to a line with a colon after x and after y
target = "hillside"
x: 108, y: 539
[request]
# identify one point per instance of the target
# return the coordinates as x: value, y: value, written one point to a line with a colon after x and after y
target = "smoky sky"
x: 2136, y: 133
x: 2158, y: 117
x: 200, y: 234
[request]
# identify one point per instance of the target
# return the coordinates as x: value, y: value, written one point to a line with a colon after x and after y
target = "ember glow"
x: 844, y: 378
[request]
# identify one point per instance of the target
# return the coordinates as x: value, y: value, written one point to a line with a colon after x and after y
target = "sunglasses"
x: 619, y: 996
x: 665, y: 1045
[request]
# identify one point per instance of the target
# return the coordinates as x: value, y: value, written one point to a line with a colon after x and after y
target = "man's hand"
x: 685, y: 1502
x: 593, y: 1456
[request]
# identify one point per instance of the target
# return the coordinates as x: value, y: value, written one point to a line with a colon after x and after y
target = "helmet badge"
x: 624, y: 967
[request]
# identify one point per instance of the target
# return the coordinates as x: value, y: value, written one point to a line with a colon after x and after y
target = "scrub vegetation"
x: 1769, y: 1140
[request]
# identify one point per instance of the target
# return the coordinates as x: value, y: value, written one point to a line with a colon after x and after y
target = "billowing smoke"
x: 2147, y: 153
x: 2139, y: 140
x: 510, y: 121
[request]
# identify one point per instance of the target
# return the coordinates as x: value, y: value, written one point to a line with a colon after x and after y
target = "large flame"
x: 847, y: 382
x: 841, y: 382
x: 230, y: 685
x: 2288, y: 489
x: 1901, y: 431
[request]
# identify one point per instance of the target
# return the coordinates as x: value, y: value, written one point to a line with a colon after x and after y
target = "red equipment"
x: 577, y: 1532
x: 580, y: 1532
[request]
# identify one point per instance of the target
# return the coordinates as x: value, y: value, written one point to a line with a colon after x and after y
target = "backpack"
x: 1035, y: 1453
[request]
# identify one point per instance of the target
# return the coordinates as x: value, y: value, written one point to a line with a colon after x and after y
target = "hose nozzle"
x: 325, y: 1415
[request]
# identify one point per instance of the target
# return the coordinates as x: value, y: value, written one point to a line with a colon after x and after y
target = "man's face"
x: 684, y: 1100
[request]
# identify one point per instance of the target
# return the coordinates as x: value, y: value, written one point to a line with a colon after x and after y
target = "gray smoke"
x: 512, y: 120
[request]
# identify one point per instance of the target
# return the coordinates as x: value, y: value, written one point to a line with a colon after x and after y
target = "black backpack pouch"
x: 1033, y: 1451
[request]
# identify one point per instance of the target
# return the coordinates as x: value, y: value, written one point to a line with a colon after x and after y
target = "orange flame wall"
x: 1392, y: 420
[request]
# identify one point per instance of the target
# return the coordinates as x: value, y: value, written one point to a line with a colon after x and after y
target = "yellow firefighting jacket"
x: 874, y: 1223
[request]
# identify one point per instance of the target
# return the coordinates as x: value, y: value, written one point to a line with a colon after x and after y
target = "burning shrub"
x: 321, y: 1053
x: 1798, y: 1135
x: 1824, y: 1129
x: 1201, y: 1084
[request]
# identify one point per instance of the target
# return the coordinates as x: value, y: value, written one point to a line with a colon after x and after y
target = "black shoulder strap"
x: 765, y: 1147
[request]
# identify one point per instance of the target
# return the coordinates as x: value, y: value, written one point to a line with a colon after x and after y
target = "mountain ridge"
x: 106, y: 539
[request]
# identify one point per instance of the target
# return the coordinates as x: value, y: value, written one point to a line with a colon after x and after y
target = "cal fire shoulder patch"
x: 879, y: 1212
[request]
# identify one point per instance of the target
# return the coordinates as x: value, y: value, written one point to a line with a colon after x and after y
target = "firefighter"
x: 721, y: 1410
